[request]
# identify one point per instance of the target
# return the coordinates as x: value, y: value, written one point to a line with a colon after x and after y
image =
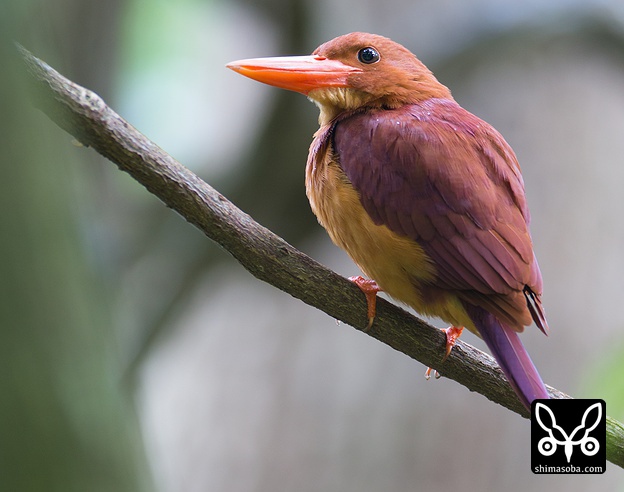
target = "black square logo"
x: 568, y: 436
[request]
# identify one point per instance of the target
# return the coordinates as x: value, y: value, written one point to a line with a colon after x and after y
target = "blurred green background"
x: 136, y: 355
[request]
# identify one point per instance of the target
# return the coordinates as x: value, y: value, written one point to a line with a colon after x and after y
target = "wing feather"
x: 441, y: 176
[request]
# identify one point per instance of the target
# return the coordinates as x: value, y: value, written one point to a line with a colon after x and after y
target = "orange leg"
x: 452, y: 334
x: 369, y: 288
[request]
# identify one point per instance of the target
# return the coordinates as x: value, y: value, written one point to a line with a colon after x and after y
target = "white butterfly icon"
x: 548, y: 445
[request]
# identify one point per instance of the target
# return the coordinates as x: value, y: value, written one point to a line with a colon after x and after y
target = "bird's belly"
x: 398, y: 264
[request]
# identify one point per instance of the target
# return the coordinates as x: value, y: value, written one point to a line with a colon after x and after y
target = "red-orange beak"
x: 296, y: 73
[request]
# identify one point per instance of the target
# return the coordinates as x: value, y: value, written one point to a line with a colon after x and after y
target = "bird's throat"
x: 335, y: 100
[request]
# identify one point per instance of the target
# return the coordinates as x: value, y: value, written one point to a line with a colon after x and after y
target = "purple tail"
x: 512, y: 357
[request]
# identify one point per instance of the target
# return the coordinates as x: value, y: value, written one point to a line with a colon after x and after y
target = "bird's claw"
x: 370, y: 288
x: 452, y: 334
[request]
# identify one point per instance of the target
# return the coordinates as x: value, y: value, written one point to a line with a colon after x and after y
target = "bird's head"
x: 349, y: 72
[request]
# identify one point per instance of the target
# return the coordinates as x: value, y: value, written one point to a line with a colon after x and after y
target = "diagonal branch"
x: 265, y: 255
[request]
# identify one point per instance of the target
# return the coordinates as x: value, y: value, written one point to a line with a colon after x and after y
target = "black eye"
x: 368, y: 55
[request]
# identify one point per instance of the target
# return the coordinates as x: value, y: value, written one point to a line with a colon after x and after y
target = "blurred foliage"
x: 267, y: 183
x: 603, y: 380
x: 66, y: 420
x: 66, y: 423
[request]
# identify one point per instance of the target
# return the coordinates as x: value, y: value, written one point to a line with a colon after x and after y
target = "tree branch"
x: 265, y: 255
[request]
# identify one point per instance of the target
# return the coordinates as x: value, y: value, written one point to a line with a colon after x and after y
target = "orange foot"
x: 369, y: 288
x: 452, y: 334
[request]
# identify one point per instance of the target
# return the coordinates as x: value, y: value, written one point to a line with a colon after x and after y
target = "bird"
x: 425, y: 197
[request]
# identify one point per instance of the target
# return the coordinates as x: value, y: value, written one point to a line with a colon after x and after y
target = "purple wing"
x: 441, y: 176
